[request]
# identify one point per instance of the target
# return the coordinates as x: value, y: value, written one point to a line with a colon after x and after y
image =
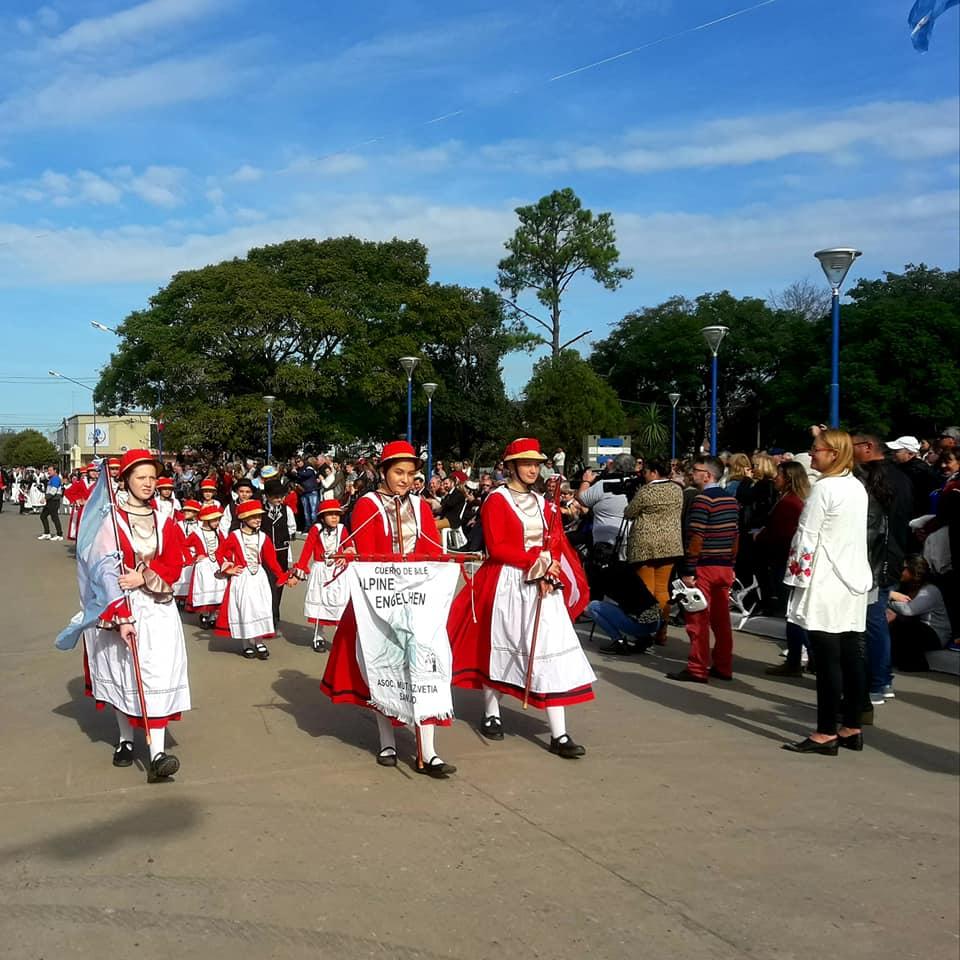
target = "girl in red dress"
x: 376, y: 532
x: 531, y: 583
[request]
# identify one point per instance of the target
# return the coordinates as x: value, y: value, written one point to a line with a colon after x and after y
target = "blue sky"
x: 137, y: 140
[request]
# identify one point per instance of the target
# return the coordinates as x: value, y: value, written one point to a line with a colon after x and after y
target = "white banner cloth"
x: 402, y: 644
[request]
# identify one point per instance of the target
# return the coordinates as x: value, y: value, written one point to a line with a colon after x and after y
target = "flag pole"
x: 134, y: 653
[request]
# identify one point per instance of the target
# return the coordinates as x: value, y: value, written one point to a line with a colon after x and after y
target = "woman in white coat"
x: 830, y: 573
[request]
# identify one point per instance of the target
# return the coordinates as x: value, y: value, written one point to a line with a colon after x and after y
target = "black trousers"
x: 840, y: 678
x: 283, y: 558
x: 51, y: 509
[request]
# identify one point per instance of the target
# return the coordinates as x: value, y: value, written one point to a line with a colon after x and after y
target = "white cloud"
x: 160, y: 186
x: 95, y: 189
x: 76, y: 97
x: 215, y: 195
x: 125, y: 25
x: 922, y: 130
x: 750, y: 248
x: 246, y: 174
x: 336, y: 164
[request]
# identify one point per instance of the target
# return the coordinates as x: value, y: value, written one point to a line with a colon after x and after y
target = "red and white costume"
x: 247, y: 609
x: 490, y: 631
x: 181, y: 589
x: 207, y: 584
x: 154, y: 546
x: 374, y: 525
x: 77, y: 495
x: 327, y: 591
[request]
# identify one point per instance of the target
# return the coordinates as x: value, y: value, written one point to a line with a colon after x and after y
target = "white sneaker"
x: 44, y: 536
x: 888, y: 693
x: 56, y: 538
x: 877, y: 699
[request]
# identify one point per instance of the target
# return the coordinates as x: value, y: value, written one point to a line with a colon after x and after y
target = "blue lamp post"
x: 428, y: 389
x: 409, y: 364
x: 714, y: 336
x: 674, y: 399
x: 836, y: 261
x: 269, y: 401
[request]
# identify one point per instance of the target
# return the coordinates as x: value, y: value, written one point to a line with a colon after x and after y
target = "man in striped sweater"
x: 710, y: 552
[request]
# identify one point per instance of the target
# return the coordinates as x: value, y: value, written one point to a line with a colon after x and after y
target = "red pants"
x: 714, y: 583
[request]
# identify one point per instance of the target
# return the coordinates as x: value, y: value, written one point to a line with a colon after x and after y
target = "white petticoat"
x: 163, y: 661
x: 208, y: 588
x: 325, y: 600
x: 250, y: 605
x: 559, y: 662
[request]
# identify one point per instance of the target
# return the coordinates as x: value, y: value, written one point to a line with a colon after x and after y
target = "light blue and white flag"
x: 97, y: 559
x: 921, y: 18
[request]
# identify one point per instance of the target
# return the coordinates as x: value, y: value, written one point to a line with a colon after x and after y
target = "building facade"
x: 83, y: 436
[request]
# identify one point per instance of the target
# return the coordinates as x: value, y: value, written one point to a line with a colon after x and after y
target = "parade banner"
x: 402, y: 645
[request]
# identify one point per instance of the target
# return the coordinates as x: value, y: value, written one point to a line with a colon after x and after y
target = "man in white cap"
x: 923, y: 478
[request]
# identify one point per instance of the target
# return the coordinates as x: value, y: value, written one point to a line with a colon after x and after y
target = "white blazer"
x: 828, y: 566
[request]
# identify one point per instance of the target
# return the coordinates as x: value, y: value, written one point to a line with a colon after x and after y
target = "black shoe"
x: 319, y: 645
x: 437, y: 769
x: 566, y: 748
x: 714, y: 672
x: 853, y: 742
x: 162, y: 767
x: 249, y: 653
x: 619, y: 647
x: 828, y: 749
x: 123, y: 755
x: 387, y: 757
x: 262, y: 652
x: 685, y: 676
x: 491, y: 728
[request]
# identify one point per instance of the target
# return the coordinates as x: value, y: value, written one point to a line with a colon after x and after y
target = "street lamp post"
x: 409, y: 365
x: 60, y: 376
x: 269, y: 401
x: 836, y: 261
x: 674, y: 399
x: 428, y: 389
x: 714, y: 336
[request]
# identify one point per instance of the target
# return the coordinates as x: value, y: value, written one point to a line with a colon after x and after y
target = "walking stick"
x: 416, y: 726
x: 134, y: 653
x: 536, y: 619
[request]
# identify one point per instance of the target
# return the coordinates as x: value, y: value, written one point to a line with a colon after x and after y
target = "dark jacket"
x: 889, y: 511
x: 923, y: 481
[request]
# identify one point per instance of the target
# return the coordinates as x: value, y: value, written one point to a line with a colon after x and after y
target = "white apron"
x: 250, y: 601
x: 208, y: 588
x: 327, y: 590
x: 163, y: 661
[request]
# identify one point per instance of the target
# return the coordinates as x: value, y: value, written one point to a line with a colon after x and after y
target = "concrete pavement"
x: 685, y: 833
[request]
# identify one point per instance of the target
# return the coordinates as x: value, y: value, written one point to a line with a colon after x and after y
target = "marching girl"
x: 207, y: 583
x: 327, y: 592
x: 167, y: 503
x: 77, y: 495
x: 247, y: 610
x: 518, y: 592
x: 152, y: 549
x: 375, y: 532
x: 188, y: 523
x: 208, y: 493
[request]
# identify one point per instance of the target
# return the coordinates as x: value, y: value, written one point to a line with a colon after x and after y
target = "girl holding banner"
x: 142, y: 621
x: 391, y: 524
x: 515, y: 634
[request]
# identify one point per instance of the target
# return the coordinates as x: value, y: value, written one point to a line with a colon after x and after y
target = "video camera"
x: 620, y: 484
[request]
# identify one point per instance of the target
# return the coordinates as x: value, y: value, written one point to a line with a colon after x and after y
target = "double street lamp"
x: 86, y: 386
x: 269, y: 401
x: 674, y: 399
x: 714, y: 336
x: 836, y: 261
x: 429, y: 389
x: 409, y: 365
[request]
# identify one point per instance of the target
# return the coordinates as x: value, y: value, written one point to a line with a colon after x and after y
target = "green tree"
x: 28, y: 448
x: 650, y: 434
x: 565, y: 401
x: 320, y: 325
x: 660, y: 350
x: 556, y: 240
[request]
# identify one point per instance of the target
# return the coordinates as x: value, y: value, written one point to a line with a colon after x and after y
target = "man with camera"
x: 606, y: 495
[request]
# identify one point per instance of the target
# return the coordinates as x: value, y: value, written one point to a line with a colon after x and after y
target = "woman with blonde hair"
x: 739, y: 469
x: 830, y: 573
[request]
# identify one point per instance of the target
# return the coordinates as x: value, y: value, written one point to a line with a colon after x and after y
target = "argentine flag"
x: 921, y: 19
x: 97, y: 563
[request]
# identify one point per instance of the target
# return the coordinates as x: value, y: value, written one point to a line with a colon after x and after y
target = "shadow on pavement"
x: 98, y: 725
x: 173, y: 816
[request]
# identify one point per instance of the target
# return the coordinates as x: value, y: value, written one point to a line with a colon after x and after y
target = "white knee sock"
x: 387, y: 736
x: 491, y: 702
x: 558, y: 722
x: 124, y: 726
x: 426, y: 741
x: 157, y: 740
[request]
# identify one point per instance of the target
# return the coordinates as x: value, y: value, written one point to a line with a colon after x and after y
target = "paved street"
x: 685, y: 833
